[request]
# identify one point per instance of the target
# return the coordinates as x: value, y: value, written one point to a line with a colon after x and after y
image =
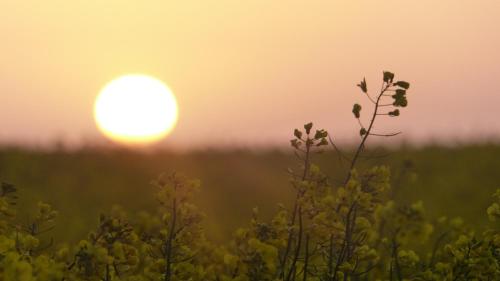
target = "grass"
x: 454, y: 181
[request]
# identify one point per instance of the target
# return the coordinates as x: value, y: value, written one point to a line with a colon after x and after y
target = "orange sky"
x: 248, y: 72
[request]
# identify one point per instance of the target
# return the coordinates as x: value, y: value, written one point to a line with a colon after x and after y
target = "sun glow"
x: 135, y: 109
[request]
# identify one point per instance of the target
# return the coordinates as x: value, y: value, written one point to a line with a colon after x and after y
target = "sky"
x: 246, y: 73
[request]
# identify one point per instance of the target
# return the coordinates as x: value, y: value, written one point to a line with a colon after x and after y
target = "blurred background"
x: 81, y: 184
x: 245, y: 74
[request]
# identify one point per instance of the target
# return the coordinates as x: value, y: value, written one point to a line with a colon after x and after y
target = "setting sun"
x: 135, y: 109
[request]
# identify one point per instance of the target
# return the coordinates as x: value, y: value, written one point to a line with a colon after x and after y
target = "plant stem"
x: 296, y: 210
x: 297, y: 249
x: 168, y: 246
x: 306, y: 258
x: 365, y: 136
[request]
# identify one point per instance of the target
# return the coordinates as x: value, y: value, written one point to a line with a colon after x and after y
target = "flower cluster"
x: 348, y: 231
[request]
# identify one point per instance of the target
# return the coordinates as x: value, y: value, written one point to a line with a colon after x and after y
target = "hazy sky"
x: 248, y: 72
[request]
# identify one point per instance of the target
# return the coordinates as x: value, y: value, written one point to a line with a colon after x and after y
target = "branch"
x: 370, y: 98
x: 339, y: 152
x: 385, y: 135
x: 296, y: 210
x: 365, y: 137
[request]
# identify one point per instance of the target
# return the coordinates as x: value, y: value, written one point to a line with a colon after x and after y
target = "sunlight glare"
x: 136, y: 109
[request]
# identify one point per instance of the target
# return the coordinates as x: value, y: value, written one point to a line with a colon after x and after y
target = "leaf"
x: 362, y: 85
x: 297, y: 133
x: 356, y: 109
x: 388, y: 76
x: 400, y: 92
x: 295, y: 143
x: 402, y: 84
x: 308, y: 127
x: 362, y: 132
x: 400, y: 98
x: 322, y: 142
x: 400, y: 101
x: 394, y: 113
x: 320, y: 134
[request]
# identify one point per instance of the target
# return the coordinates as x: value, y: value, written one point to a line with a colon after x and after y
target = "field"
x: 179, y: 141
x: 451, y: 181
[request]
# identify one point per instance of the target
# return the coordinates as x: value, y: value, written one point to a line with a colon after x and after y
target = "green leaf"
x: 356, y: 109
x: 363, y: 87
x: 308, y: 127
x: 402, y: 84
x: 388, y: 76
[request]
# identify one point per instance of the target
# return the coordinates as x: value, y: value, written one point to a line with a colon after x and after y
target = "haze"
x: 247, y: 73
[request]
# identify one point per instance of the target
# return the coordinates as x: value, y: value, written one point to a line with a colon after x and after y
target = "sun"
x: 135, y: 109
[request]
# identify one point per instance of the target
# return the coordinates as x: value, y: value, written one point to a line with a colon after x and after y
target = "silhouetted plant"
x: 379, y: 102
x: 352, y: 231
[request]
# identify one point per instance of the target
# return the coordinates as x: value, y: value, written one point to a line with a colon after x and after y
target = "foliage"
x: 355, y: 230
